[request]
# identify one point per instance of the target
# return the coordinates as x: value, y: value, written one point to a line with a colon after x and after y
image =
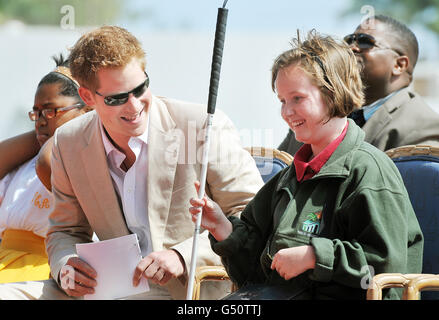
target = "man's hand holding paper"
x: 78, y: 278
x: 105, y: 269
x: 159, y: 267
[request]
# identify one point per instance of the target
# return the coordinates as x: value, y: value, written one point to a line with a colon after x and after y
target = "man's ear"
x: 86, y: 96
x: 401, y: 65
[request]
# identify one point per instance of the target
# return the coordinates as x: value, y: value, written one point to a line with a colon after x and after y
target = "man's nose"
x: 134, y: 102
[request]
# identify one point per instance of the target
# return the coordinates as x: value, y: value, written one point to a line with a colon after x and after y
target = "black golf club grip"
x: 217, y: 58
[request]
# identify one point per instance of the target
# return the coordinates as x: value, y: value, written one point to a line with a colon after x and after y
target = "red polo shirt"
x: 307, y: 169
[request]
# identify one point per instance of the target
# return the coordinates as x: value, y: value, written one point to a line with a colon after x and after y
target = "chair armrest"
x: 208, y: 273
x: 420, y: 283
x: 388, y: 280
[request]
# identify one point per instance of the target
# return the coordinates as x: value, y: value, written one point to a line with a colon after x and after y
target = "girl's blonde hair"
x: 333, y: 67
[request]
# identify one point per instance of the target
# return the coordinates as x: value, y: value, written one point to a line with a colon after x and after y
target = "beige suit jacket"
x: 404, y: 119
x: 86, y: 202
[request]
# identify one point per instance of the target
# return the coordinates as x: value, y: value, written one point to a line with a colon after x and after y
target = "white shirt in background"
x: 25, y: 204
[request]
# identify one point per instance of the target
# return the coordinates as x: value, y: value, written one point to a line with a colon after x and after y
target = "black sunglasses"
x: 365, y: 41
x: 122, y: 98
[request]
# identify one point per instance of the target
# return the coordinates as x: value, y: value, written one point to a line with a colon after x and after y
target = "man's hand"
x: 159, y: 267
x: 77, y: 278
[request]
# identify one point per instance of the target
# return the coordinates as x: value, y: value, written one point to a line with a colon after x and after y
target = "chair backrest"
x: 419, y: 168
x: 270, y: 161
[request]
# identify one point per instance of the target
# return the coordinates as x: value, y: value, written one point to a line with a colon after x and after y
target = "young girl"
x: 24, y: 202
x: 323, y: 226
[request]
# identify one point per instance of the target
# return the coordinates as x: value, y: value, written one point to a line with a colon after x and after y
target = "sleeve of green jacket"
x: 241, y: 251
x: 382, y: 231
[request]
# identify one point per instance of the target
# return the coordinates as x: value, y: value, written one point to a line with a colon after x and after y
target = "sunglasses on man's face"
x: 365, y: 41
x: 122, y: 98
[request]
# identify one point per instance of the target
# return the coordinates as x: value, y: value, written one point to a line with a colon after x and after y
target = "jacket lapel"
x: 163, y: 151
x: 378, y: 122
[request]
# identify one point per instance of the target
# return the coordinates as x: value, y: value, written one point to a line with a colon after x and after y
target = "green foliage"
x: 48, y: 12
x: 424, y: 12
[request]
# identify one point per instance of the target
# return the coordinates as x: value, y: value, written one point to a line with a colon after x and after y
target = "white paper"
x: 114, y: 261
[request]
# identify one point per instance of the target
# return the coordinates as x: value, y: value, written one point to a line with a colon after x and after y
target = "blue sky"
x: 178, y: 37
x: 257, y: 16
x: 244, y: 15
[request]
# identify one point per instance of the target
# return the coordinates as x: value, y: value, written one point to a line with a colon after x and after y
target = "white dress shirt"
x: 25, y: 204
x: 131, y: 186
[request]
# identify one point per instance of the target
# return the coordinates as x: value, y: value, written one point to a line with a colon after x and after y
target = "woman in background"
x: 25, y: 203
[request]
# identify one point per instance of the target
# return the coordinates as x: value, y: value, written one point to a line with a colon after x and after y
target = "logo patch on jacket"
x: 312, y: 225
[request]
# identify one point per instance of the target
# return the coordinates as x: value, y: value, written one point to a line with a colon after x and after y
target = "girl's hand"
x: 213, y: 218
x: 291, y: 262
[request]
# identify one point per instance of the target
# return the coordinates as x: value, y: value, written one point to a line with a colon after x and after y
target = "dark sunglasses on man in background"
x: 122, y: 98
x: 365, y: 41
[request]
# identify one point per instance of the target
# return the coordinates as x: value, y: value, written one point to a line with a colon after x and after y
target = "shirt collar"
x: 109, y: 146
x: 370, y: 109
x: 306, y: 169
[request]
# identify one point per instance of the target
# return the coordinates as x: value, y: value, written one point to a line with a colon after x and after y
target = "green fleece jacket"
x: 355, y: 213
